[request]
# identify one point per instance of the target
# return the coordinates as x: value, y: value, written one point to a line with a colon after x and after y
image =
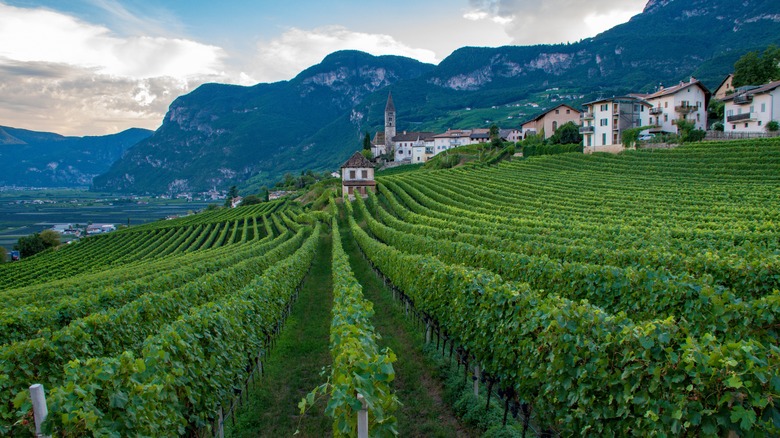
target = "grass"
x: 423, y: 412
x: 294, y: 366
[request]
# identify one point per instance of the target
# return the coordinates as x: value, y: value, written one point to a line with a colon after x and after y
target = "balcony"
x: 587, y: 129
x: 656, y: 110
x: 686, y: 108
x: 746, y: 117
x: 741, y: 99
x: 586, y: 116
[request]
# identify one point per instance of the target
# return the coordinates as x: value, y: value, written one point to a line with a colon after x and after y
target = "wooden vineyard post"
x: 40, y: 410
x: 362, y: 418
x: 220, y: 424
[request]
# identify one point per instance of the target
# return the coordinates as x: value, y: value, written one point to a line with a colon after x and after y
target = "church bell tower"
x: 390, y: 123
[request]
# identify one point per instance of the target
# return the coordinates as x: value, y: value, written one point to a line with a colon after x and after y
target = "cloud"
x: 296, y: 49
x: 30, y: 35
x: 65, y: 75
x: 553, y: 21
x: 73, y: 101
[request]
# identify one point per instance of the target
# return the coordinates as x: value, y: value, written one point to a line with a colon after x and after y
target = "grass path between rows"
x: 293, y: 369
x: 423, y: 412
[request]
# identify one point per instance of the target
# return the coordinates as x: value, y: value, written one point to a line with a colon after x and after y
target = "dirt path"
x: 295, y: 364
x: 423, y: 413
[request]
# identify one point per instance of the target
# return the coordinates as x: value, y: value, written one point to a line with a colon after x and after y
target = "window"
x: 351, y: 175
x: 763, y: 107
x: 666, y: 117
x: 605, y: 107
x: 603, y: 122
x: 746, y: 125
x: 733, y: 127
x: 557, y: 111
x: 666, y: 104
x: 759, y: 123
x: 364, y: 174
x: 752, y: 108
x: 568, y: 111
x: 604, y: 138
x: 555, y: 125
x: 730, y: 112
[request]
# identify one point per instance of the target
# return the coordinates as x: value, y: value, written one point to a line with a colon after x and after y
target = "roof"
x: 480, y: 133
x: 635, y: 97
x: 454, y: 133
x: 379, y: 138
x: 672, y: 90
x: 758, y: 90
x: 390, y: 107
x: 538, y: 117
x: 412, y: 136
x: 357, y: 160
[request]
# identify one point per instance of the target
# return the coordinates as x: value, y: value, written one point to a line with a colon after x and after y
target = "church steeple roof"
x: 390, y: 107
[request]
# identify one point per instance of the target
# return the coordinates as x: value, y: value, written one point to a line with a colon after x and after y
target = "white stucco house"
x: 684, y: 101
x: 749, y: 109
x: 604, y: 120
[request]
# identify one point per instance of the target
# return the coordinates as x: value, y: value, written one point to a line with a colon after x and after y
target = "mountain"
x: 220, y: 135
x: 44, y: 159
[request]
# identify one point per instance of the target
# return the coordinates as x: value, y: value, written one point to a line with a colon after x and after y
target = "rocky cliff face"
x: 221, y: 135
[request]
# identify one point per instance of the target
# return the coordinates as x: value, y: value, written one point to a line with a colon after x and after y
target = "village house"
x: 550, y: 120
x: 749, y: 109
x: 604, y: 120
x: 357, y: 176
x: 450, y: 139
x: 513, y: 135
x: 725, y: 88
x: 406, y: 142
x: 685, y: 101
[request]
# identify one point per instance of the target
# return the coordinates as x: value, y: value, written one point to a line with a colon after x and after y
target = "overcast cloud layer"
x: 66, y: 74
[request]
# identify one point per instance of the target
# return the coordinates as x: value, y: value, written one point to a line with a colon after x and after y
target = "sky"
x: 95, y: 67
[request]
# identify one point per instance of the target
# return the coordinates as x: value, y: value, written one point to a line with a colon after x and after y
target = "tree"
x: 688, y: 132
x: 367, y: 153
x: 3, y: 254
x: 251, y: 200
x: 29, y: 245
x: 773, y: 126
x: 367, y: 142
x: 757, y: 69
x: 50, y: 238
x: 568, y: 133
x: 716, y: 110
x: 495, y: 137
x: 232, y: 193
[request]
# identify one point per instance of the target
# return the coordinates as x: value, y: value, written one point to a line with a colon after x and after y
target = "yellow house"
x: 550, y: 120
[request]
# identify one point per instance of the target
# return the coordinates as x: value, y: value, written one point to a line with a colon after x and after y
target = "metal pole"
x: 40, y: 411
x: 362, y: 418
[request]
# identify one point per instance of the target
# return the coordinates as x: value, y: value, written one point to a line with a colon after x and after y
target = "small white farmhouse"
x: 357, y: 176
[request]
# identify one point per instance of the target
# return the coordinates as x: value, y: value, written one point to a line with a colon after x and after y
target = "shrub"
x: 773, y: 126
